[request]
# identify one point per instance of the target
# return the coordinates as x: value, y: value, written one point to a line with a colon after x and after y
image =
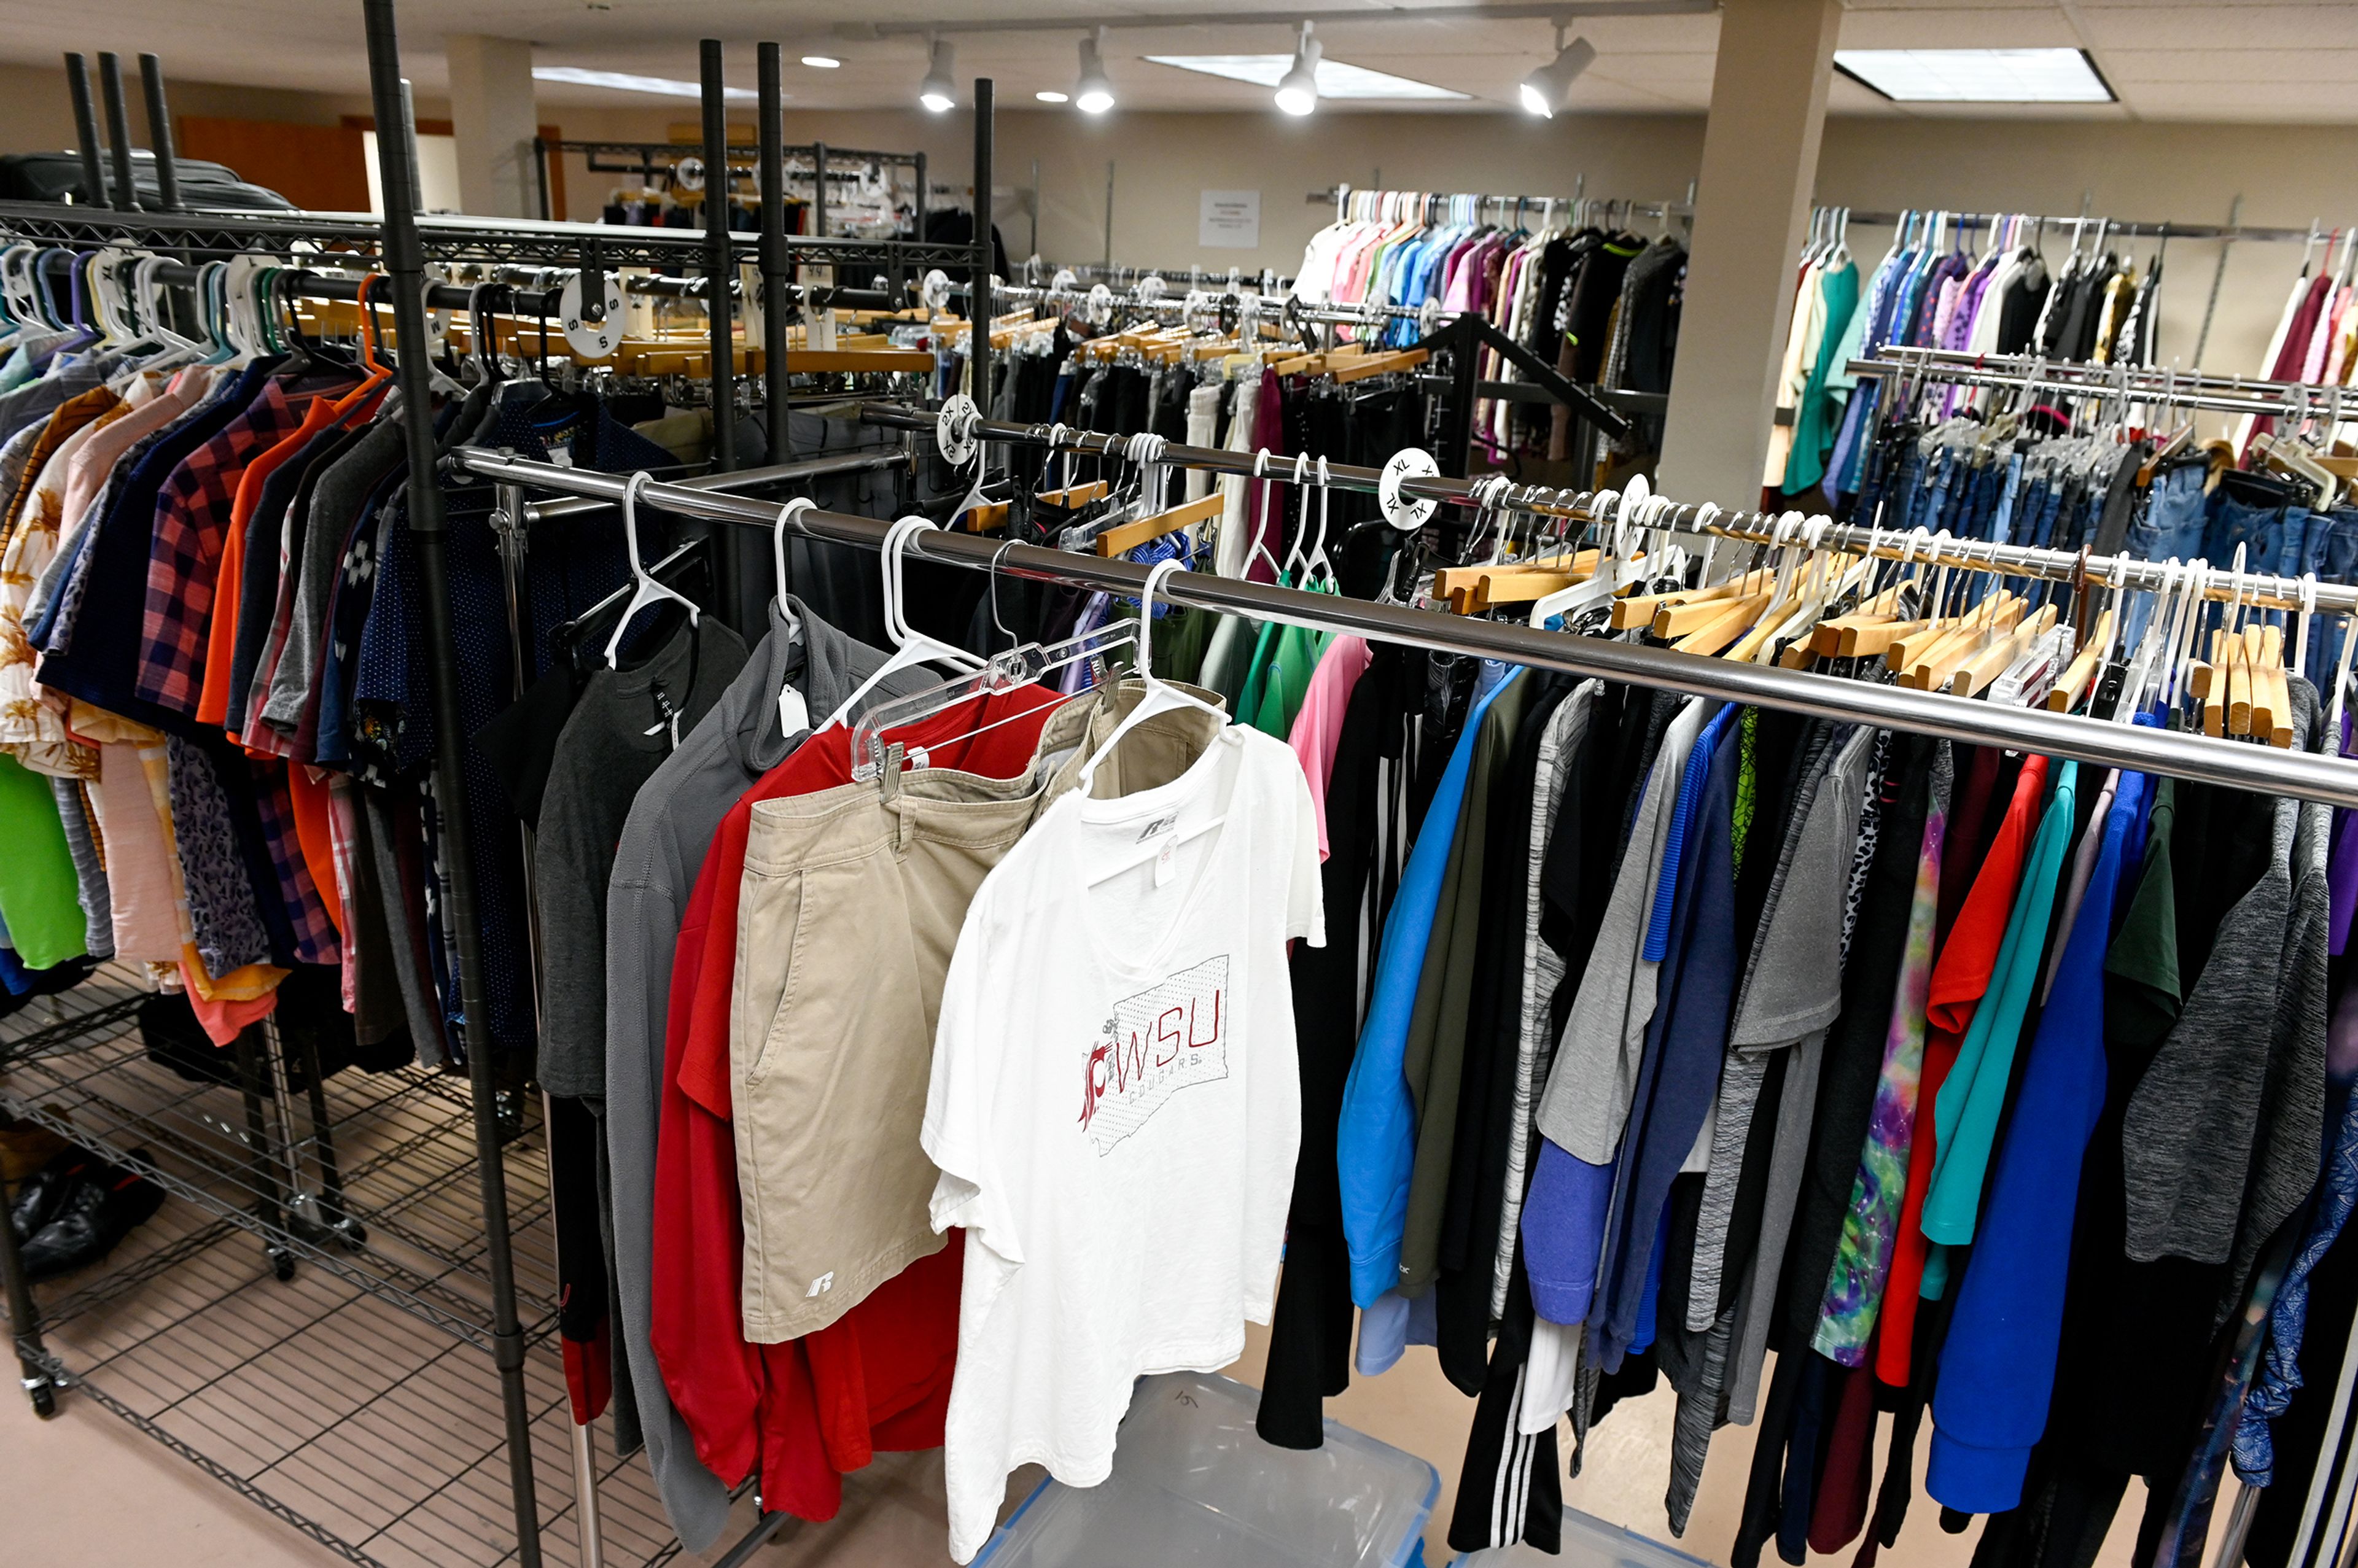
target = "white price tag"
x: 793, y: 713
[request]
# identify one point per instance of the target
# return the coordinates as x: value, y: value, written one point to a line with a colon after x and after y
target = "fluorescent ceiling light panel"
x: 1337, y: 79
x: 624, y: 82
x: 1977, y: 76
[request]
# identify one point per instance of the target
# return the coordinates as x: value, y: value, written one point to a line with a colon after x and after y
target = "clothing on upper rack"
x: 1601, y: 306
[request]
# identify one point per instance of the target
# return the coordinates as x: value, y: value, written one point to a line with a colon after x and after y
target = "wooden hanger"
x: 992, y: 515
x: 1124, y: 537
x: 2083, y: 669
x: 1973, y: 676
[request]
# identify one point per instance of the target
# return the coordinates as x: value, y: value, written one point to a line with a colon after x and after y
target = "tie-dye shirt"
x: 1863, y: 1258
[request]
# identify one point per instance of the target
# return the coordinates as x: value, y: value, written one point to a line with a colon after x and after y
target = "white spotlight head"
x: 1549, y: 88
x: 938, y: 91
x: 1093, y: 94
x: 1297, y: 91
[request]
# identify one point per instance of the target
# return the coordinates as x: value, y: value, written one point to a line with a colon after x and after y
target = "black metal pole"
x: 404, y: 264
x: 719, y: 259
x: 775, y: 285
x: 541, y: 153
x: 978, y: 335
x: 819, y: 188
x: 160, y: 133
x: 118, y: 129
x: 94, y: 176
x: 1456, y: 454
x: 25, y: 1326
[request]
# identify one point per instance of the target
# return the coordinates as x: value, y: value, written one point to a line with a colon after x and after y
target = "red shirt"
x: 807, y: 1410
x: 1959, y: 980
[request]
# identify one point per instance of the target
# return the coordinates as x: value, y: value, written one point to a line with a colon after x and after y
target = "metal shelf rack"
x: 311, y: 1393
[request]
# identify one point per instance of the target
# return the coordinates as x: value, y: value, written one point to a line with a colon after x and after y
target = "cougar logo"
x: 821, y: 1285
x: 1156, y: 1043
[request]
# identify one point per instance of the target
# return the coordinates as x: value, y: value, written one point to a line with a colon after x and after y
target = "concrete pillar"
x: 492, y: 121
x: 1752, y: 205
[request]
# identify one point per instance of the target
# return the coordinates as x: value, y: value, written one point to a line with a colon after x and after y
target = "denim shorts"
x: 2175, y: 514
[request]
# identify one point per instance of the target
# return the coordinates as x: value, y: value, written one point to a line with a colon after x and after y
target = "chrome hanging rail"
x: 2175, y: 753
x: 2263, y: 589
x: 2134, y: 384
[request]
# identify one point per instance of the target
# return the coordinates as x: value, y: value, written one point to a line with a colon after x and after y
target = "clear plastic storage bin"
x: 1194, y: 1486
x: 1588, y: 1542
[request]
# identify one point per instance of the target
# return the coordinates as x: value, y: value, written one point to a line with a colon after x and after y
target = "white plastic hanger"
x: 1159, y: 696
x: 2307, y: 614
x: 793, y: 712
x: 1260, y: 549
x: 648, y: 592
x: 911, y: 647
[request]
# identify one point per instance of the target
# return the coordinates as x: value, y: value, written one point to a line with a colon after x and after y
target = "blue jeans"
x: 2174, y: 515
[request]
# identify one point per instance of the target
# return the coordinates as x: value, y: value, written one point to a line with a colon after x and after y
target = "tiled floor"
x: 329, y: 1394
x: 106, y: 1494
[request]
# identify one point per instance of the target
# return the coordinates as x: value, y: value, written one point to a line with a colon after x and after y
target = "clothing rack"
x: 649, y: 159
x: 2168, y: 230
x: 2137, y: 747
x: 2136, y: 383
x: 1340, y: 195
x: 1494, y: 492
x: 397, y: 1232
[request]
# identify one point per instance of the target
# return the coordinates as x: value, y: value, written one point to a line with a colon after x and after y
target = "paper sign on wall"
x: 1230, y: 220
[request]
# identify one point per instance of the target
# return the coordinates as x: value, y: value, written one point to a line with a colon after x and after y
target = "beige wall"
x: 2286, y: 175
x: 1161, y: 161
x: 35, y: 115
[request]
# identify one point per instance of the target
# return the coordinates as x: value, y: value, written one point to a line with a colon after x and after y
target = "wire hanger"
x: 649, y: 590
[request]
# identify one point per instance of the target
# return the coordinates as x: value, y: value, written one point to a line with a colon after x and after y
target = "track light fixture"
x: 1549, y: 88
x: 1093, y: 94
x: 938, y: 91
x: 1297, y: 90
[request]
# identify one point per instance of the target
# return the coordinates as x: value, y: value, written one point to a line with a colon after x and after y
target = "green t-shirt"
x: 39, y: 898
x: 2142, y: 1000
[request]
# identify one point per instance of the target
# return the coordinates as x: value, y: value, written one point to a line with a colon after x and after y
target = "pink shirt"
x: 1318, y: 727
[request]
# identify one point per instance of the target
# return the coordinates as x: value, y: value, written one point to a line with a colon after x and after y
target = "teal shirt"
x: 1967, y: 1110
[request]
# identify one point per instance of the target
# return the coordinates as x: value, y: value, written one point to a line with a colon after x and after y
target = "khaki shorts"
x: 851, y: 905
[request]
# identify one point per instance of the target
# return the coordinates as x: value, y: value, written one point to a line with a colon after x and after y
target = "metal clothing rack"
x: 2168, y: 230
x: 2138, y: 747
x: 650, y: 159
x: 369, y: 1185
x: 2134, y: 384
x: 1495, y: 493
x: 1340, y: 195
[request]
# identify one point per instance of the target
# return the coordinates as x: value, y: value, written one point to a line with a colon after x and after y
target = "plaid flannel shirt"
x: 192, y: 512
x: 315, y: 935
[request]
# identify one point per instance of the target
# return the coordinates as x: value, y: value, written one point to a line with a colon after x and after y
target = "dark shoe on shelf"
x: 44, y: 1193
x: 104, y: 1207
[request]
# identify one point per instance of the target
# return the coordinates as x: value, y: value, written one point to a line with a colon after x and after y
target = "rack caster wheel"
x: 282, y: 1266
x: 45, y: 1400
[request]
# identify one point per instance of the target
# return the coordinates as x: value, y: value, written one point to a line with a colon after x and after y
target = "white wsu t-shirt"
x: 1116, y: 1106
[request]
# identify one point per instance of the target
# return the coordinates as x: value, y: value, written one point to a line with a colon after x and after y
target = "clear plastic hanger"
x: 911, y: 647
x: 649, y: 592
x: 1017, y: 666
